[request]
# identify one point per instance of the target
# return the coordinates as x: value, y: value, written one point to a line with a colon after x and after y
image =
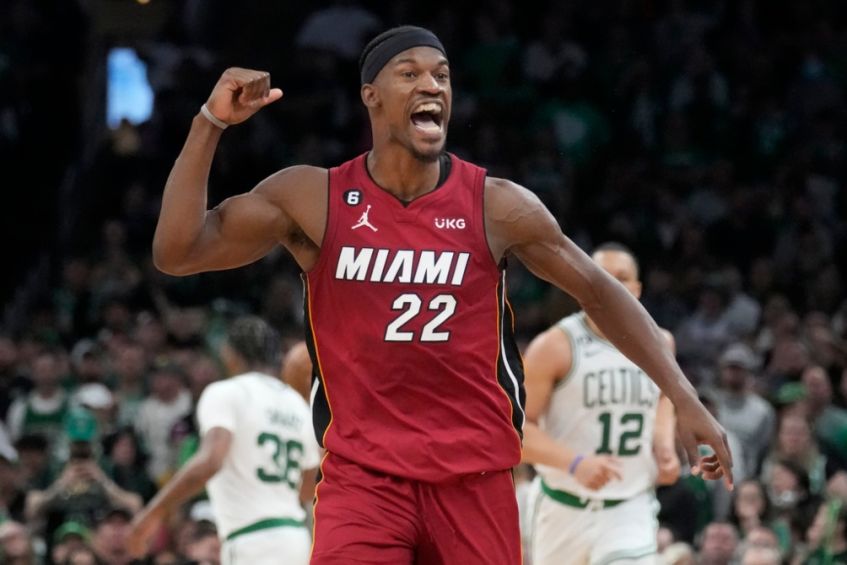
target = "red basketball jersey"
x: 416, y: 369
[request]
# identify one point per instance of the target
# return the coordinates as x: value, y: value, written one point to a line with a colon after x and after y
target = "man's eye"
x: 408, y: 74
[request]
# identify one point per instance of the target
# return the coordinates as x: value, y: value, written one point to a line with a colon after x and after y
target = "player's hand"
x: 698, y: 427
x: 667, y: 463
x: 143, y: 528
x: 240, y: 93
x: 596, y: 470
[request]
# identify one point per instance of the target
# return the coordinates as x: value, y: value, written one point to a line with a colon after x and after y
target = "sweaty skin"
x: 289, y: 208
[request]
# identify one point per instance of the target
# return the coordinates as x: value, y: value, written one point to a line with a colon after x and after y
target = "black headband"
x: 386, y: 45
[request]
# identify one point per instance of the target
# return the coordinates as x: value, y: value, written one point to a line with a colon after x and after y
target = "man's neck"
x: 397, y: 171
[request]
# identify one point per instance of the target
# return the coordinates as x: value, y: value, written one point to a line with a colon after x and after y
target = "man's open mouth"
x: 427, y: 117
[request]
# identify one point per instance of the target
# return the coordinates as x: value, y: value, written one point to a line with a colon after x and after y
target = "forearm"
x: 541, y: 449
x: 625, y: 322
x: 188, y: 482
x: 664, y: 433
x: 184, y: 202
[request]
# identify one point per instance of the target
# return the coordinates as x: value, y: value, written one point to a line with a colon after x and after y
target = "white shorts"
x: 567, y: 535
x: 289, y: 544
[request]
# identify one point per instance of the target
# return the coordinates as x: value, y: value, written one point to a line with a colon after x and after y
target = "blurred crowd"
x: 707, y: 135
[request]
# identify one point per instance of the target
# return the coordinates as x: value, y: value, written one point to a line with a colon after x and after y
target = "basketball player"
x: 596, y: 428
x: 418, y: 392
x: 258, y: 455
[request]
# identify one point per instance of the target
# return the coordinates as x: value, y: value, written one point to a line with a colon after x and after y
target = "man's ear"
x: 370, y: 96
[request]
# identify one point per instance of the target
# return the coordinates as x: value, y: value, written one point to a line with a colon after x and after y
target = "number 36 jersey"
x: 272, y: 443
x: 416, y: 371
x: 605, y: 405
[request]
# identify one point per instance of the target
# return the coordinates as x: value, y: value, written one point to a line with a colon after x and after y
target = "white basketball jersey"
x: 604, y: 405
x: 272, y: 442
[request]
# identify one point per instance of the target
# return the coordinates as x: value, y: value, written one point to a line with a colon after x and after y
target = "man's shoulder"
x: 296, y: 178
x: 502, y: 185
x: 222, y: 390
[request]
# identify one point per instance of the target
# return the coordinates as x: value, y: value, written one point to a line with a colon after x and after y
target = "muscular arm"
x: 242, y: 229
x: 285, y: 208
x: 518, y: 223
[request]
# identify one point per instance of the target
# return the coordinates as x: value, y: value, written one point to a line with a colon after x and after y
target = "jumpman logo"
x: 363, y: 221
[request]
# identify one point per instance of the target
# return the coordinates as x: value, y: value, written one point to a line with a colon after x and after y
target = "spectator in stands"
x: 718, y: 545
x: 184, y: 436
x: 830, y: 421
x: 826, y: 538
x: 750, y: 507
x: 67, y: 539
x: 706, y: 332
x: 43, y: 410
x: 168, y: 401
x: 128, y: 377
x: 742, y: 411
x: 110, y: 533
x: 82, y: 488
x: 204, y: 547
x: 794, y: 442
x: 788, y: 491
x: 761, y: 536
x: 16, y: 546
x: 755, y: 555
x: 125, y: 462
x: 87, y: 362
x: 10, y: 486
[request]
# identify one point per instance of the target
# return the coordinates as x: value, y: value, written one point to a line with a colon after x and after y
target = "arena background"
x: 707, y: 135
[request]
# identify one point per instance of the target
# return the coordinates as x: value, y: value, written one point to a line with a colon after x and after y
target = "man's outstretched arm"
x: 517, y: 222
x: 190, y: 238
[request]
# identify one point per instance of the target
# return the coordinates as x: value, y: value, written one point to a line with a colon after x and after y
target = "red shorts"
x: 362, y: 516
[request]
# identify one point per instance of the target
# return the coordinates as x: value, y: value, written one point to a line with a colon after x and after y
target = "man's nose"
x: 428, y: 84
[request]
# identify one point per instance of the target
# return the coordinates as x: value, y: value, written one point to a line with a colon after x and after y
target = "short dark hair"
x: 621, y: 248
x: 254, y: 340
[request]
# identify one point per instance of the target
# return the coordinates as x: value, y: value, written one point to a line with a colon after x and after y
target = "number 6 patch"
x: 353, y: 197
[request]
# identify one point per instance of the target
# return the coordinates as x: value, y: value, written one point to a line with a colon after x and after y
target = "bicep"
x: 244, y: 228
x: 547, y: 358
x: 238, y: 231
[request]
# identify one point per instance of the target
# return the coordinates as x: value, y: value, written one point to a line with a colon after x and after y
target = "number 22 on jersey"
x: 410, y: 306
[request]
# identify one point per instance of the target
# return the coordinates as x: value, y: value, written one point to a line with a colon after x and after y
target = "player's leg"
x: 629, y: 533
x: 362, y: 516
x: 560, y: 533
x: 472, y: 520
x: 289, y: 545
